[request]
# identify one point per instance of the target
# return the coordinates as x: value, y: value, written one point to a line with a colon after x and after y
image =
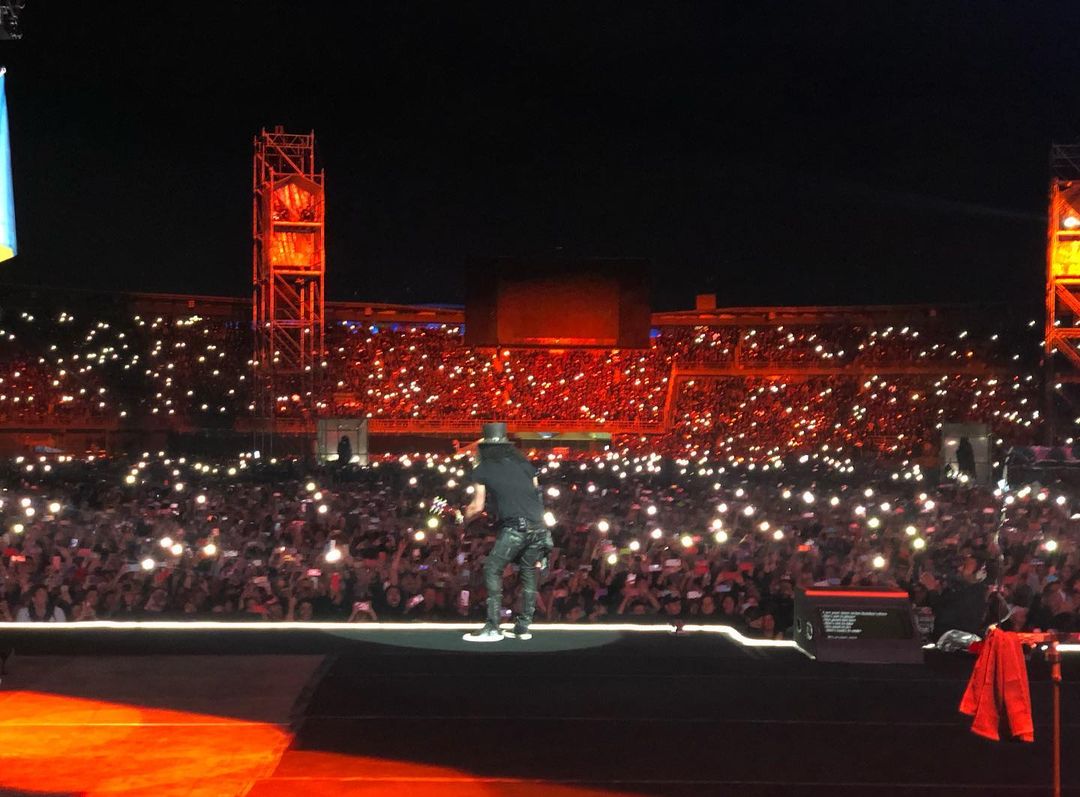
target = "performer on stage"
x: 523, y: 537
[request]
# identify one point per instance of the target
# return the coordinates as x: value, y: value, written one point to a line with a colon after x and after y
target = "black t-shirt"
x: 325, y: 608
x: 509, y: 480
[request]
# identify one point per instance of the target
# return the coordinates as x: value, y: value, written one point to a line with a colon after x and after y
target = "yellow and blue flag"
x: 7, y: 194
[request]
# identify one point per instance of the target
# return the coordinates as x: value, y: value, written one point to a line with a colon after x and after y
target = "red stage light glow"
x: 54, y: 743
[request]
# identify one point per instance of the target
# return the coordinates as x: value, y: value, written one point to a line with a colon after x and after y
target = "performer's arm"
x: 395, y: 565
x: 648, y: 593
x: 476, y: 506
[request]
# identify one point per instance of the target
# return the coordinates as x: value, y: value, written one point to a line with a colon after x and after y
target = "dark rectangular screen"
x: 518, y: 302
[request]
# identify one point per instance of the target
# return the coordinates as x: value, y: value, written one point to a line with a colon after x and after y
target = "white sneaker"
x: 488, y: 633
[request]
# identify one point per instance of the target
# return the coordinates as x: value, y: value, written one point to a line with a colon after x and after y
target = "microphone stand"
x: 1053, y: 658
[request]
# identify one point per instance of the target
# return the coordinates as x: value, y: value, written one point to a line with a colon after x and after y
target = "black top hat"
x: 495, y: 433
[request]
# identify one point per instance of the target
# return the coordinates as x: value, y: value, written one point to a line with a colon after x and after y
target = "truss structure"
x: 288, y: 273
x: 1063, y: 258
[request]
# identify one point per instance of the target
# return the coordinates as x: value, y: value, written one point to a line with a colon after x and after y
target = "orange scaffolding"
x: 1062, y: 335
x: 288, y: 273
x: 1063, y: 255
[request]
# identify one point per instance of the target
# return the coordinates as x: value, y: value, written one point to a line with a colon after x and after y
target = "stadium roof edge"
x: 388, y: 312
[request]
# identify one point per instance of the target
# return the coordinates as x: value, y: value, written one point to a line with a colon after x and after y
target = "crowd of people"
x: 638, y: 538
x: 761, y: 417
x: 427, y: 372
x: 112, y: 365
x: 730, y: 491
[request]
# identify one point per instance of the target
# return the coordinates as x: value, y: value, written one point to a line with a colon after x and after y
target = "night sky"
x: 772, y: 153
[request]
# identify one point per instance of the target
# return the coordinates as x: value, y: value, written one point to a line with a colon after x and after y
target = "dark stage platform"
x: 671, y: 716
x: 605, y: 713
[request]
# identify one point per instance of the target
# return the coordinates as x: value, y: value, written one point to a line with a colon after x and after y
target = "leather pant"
x: 527, y: 546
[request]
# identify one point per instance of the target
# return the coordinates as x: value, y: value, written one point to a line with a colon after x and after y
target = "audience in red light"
x: 114, y: 368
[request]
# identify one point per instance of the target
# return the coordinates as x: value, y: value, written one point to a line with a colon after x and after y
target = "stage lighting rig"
x: 9, y: 19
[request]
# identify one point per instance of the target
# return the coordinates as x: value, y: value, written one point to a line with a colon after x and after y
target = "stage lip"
x: 539, y: 628
x: 736, y: 636
x: 225, y: 625
x: 216, y: 625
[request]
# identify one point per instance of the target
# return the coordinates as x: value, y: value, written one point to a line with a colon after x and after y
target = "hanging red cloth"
x: 998, y: 690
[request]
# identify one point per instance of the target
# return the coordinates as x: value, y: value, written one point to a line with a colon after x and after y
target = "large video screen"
x: 585, y: 303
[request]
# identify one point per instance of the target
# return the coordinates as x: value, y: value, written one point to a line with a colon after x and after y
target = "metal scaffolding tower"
x: 288, y: 274
x: 1063, y: 255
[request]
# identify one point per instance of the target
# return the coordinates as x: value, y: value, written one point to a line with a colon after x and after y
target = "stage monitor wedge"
x: 857, y: 624
x: 557, y: 303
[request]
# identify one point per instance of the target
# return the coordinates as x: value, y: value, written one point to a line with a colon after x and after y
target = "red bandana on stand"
x: 998, y: 693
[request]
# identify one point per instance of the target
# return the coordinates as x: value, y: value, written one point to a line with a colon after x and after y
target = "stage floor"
x: 568, y: 715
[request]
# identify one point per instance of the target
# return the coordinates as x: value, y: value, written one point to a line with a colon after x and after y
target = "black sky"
x: 774, y: 153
